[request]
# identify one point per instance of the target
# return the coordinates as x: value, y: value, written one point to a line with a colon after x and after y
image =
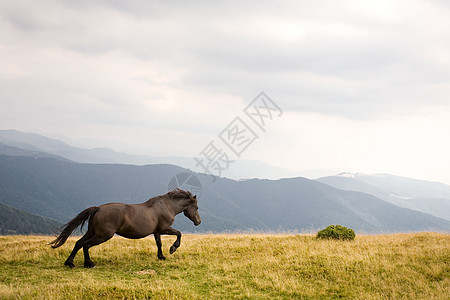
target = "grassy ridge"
x: 232, y: 266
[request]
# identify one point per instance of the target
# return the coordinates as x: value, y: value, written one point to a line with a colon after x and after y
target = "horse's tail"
x: 72, y: 225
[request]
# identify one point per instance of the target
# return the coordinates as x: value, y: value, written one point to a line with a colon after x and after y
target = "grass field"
x: 245, y: 266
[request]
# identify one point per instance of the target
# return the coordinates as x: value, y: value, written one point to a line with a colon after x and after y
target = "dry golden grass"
x: 256, y: 266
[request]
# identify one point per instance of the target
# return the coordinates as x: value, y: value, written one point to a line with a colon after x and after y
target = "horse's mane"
x: 174, y: 194
x: 179, y: 193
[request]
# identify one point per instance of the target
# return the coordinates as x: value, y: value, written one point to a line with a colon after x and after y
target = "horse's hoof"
x: 89, y: 264
x: 173, y: 249
x: 69, y: 264
x: 161, y: 257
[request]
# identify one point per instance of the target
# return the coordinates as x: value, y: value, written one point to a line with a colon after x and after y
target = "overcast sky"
x: 364, y: 86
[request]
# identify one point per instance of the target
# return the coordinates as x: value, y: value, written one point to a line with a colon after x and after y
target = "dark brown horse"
x: 133, y: 221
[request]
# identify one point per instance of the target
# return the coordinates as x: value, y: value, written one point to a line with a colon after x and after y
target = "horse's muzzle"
x: 197, y: 222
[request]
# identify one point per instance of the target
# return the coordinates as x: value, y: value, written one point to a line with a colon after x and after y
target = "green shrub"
x: 337, y: 232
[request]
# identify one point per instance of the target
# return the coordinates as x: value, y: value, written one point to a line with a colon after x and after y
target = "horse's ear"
x: 195, y: 196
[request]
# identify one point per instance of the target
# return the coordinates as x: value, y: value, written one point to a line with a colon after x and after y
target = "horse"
x: 133, y: 221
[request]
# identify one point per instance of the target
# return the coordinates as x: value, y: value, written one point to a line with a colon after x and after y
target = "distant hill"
x: 15, y: 221
x: 61, y: 189
x: 31, y: 143
x: 14, y: 151
x: 425, y: 196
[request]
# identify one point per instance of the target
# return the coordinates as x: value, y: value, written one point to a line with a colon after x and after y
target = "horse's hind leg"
x: 93, y: 241
x: 88, y: 263
x: 78, y: 246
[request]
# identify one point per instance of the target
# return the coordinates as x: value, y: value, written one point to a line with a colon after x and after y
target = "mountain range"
x: 59, y: 189
x: 425, y: 196
x: 13, y: 142
x: 52, y: 185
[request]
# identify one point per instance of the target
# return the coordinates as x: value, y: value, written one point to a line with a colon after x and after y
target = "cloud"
x: 121, y: 70
x: 321, y: 54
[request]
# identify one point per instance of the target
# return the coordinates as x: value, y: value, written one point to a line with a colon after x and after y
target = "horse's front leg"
x: 158, y: 244
x: 176, y: 244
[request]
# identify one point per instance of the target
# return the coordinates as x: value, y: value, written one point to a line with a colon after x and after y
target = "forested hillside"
x: 15, y: 221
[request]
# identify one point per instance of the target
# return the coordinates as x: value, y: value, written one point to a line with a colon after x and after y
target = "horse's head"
x: 187, y: 204
x: 191, y: 211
